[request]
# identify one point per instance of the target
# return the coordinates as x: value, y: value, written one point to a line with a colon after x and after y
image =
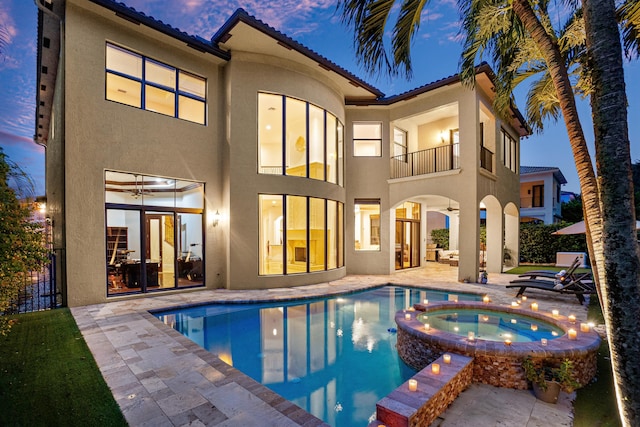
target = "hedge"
x: 538, y: 245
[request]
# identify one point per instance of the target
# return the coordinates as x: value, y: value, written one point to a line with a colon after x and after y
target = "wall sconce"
x: 442, y: 135
x: 216, y: 218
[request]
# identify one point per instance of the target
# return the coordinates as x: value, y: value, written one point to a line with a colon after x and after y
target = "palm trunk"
x: 582, y: 159
x: 613, y: 162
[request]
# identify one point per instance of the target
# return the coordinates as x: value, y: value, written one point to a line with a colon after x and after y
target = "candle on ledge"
x: 447, y: 358
x: 573, y: 334
x: 584, y: 327
x: 572, y: 318
x: 407, y: 316
x: 524, y: 298
x: 555, y: 313
x: 471, y: 336
x: 435, y: 368
x: 413, y: 385
x: 425, y: 302
x: 507, y: 342
x: 427, y: 327
x: 485, y: 299
x: 534, y: 306
x: 514, y: 304
x: 543, y: 341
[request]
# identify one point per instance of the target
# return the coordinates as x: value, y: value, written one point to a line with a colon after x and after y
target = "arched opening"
x: 511, y: 251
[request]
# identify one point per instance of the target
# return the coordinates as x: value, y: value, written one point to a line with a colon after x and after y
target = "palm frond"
x: 629, y: 19
x: 405, y: 28
x: 542, y: 103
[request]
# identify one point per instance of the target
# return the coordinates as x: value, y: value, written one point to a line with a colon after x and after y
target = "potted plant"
x: 548, y: 379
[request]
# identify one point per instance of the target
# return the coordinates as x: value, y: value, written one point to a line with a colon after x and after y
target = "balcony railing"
x: 486, y: 159
x: 439, y: 159
x: 531, y: 202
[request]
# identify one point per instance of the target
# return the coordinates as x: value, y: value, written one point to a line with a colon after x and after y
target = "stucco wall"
x: 108, y: 135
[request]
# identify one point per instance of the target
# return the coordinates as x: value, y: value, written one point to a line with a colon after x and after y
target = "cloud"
x: 9, y: 140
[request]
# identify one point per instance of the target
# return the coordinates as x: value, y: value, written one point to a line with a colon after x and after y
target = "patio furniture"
x: 579, y: 286
x: 552, y: 274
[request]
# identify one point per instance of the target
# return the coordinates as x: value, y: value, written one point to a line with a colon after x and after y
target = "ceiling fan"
x: 138, y: 191
x: 450, y: 209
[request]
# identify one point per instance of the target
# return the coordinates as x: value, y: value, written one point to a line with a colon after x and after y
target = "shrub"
x: 538, y: 245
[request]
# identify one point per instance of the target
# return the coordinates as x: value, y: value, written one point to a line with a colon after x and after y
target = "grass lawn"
x: 521, y: 269
x: 595, y: 405
x: 49, y: 377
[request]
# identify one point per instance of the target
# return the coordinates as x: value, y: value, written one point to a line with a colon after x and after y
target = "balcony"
x: 531, y: 202
x: 486, y: 159
x: 432, y: 160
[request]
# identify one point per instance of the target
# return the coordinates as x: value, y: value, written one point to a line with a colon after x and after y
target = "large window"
x: 367, y: 225
x: 367, y: 139
x: 299, y: 234
x: 509, y: 151
x: 154, y: 233
x: 141, y: 82
x: 297, y: 138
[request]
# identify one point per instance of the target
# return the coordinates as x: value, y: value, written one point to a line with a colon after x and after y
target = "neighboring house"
x: 541, y: 194
x: 251, y: 162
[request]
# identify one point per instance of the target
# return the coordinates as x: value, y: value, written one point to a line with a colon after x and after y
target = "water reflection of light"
x: 339, y: 332
x: 275, y: 332
x: 332, y: 325
x: 362, y: 335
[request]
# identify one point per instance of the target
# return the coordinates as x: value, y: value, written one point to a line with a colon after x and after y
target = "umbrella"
x: 579, y: 228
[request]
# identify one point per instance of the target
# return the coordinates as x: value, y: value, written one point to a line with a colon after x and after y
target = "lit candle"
x: 471, y: 336
x: 425, y: 302
x: 507, y: 342
x: 427, y: 327
x: 411, y: 309
x: 572, y: 334
x: 534, y: 306
x: 584, y: 327
x: 514, y: 321
x: 485, y: 318
x: 514, y: 303
x: 572, y: 318
x: 555, y: 313
x: 413, y: 385
x: 524, y: 298
x: 485, y: 299
x: 407, y: 316
x: 447, y: 358
x: 543, y: 341
x: 435, y: 368
x: 534, y: 327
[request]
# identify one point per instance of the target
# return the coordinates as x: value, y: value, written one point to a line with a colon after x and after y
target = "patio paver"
x: 160, y: 377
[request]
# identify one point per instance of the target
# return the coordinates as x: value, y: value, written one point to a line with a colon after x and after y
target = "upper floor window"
x: 367, y: 139
x: 509, y: 151
x: 399, y: 144
x: 141, y: 82
x: 297, y: 138
x: 367, y: 224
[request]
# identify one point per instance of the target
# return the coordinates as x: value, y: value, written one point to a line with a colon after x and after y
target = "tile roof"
x: 537, y: 169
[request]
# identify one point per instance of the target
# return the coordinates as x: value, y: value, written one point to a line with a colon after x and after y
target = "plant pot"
x: 550, y: 395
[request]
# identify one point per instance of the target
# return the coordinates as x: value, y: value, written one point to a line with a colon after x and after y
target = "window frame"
x: 373, y: 228
x: 144, y: 81
x: 356, y: 140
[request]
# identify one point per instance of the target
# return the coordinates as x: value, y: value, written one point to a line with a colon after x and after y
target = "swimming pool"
x: 334, y: 357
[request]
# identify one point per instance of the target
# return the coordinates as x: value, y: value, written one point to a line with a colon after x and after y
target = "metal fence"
x: 39, y: 290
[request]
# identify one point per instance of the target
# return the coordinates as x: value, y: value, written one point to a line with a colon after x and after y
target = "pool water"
x: 334, y: 357
x: 490, y: 325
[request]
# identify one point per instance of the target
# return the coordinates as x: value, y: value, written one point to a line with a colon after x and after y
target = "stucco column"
x: 454, y: 231
x: 494, y: 239
x: 512, y: 234
x: 469, y: 241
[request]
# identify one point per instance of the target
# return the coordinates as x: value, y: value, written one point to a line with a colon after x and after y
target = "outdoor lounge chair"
x: 563, y: 275
x: 579, y: 286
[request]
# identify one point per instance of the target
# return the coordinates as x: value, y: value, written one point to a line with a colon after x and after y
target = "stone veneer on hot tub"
x: 495, y: 363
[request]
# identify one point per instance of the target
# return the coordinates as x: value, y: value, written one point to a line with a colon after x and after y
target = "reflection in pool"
x: 334, y: 357
x: 490, y: 325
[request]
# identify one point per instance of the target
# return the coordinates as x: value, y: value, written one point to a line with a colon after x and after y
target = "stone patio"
x: 160, y: 378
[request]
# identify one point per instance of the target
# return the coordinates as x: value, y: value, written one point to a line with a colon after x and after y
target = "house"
x: 248, y: 161
x: 541, y: 194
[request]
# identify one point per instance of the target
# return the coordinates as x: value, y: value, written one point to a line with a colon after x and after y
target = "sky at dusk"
x: 315, y: 24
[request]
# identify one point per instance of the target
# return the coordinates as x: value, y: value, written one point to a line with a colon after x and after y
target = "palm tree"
x: 503, y: 28
x: 621, y: 296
